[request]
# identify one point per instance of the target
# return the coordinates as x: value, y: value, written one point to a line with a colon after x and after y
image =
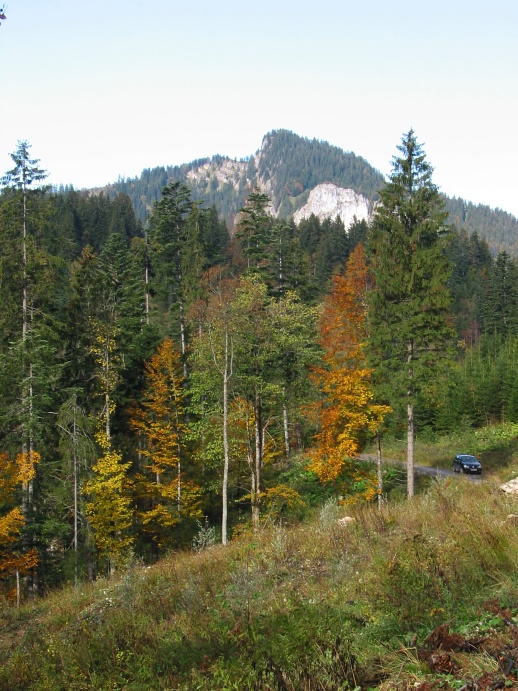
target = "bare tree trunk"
x: 226, y: 457
x: 25, y: 329
x: 258, y: 456
x: 107, y: 420
x: 380, y: 472
x: 226, y: 375
x: 25, y: 272
x: 183, y: 342
x: 410, y: 450
x: 410, y: 425
x: 147, y: 281
x: 286, y: 427
x: 76, y: 483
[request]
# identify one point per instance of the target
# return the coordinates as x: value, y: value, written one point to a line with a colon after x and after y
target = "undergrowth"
x: 320, y: 605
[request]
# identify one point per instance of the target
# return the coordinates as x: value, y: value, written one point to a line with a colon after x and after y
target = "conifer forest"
x: 158, y: 371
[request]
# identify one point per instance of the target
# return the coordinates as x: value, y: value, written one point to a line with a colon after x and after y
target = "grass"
x: 496, y: 447
x: 313, y: 606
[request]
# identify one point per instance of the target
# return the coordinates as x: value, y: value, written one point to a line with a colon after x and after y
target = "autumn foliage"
x: 14, y: 557
x: 346, y: 411
x: 109, y: 508
x: 165, y: 494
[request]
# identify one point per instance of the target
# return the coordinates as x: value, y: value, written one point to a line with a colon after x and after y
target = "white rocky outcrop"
x: 346, y: 520
x: 510, y: 487
x: 228, y: 171
x: 329, y: 201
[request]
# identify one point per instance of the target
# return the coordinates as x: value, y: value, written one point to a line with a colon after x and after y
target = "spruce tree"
x: 254, y: 232
x: 409, y: 329
x: 167, y: 236
x: 500, y: 304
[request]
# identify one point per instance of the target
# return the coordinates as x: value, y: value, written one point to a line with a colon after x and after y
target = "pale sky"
x: 103, y: 89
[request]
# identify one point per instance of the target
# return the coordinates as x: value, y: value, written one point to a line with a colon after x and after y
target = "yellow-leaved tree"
x: 346, y: 411
x: 109, y: 508
x: 15, y: 558
x: 165, y: 494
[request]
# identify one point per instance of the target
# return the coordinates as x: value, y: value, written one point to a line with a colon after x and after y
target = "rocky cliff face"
x: 228, y: 172
x: 329, y: 201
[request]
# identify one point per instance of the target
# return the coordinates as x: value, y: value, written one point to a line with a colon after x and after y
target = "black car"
x: 465, y: 463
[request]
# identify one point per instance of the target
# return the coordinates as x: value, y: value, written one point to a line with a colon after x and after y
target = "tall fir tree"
x: 167, y: 236
x: 410, y: 331
x: 500, y: 303
x: 254, y: 232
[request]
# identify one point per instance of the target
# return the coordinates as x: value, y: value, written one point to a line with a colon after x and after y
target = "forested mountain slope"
x: 149, y: 381
x: 288, y: 167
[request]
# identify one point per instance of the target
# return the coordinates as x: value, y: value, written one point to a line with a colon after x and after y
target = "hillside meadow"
x: 421, y: 594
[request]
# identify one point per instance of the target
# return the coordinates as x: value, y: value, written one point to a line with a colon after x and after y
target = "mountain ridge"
x: 289, y: 168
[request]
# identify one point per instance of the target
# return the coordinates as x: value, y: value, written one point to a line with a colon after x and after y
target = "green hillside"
x: 421, y: 595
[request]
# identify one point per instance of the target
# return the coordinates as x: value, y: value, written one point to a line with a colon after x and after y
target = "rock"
x: 329, y: 201
x: 346, y: 520
x: 510, y: 487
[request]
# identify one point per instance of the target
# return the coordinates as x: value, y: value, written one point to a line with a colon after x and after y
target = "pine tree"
x: 500, y: 305
x: 167, y: 235
x: 26, y: 203
x: 254, y: 231
x: 409, y: 306
x: 24, y: 174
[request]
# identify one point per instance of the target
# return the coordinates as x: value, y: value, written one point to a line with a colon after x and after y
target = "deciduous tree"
x: 166, y: 496
x: 15, y: 558
x: 109, y: 506
x: 347, y: 411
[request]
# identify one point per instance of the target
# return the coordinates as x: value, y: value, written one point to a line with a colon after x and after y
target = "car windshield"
x: 468, y: 459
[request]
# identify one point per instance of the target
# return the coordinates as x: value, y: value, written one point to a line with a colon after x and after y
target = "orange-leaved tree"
x: 15, y: 558
x: 165, y: 495
x: 347, y: 410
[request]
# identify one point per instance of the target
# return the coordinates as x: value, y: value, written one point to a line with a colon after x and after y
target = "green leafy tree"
x: 410, y: 333
x: 471, y: 262
x: 213, y: 369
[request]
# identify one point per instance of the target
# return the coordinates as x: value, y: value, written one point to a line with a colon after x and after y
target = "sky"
x: 105, y: 88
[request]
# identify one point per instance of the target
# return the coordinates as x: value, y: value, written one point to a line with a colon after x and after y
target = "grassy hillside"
x: 420, y: 595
